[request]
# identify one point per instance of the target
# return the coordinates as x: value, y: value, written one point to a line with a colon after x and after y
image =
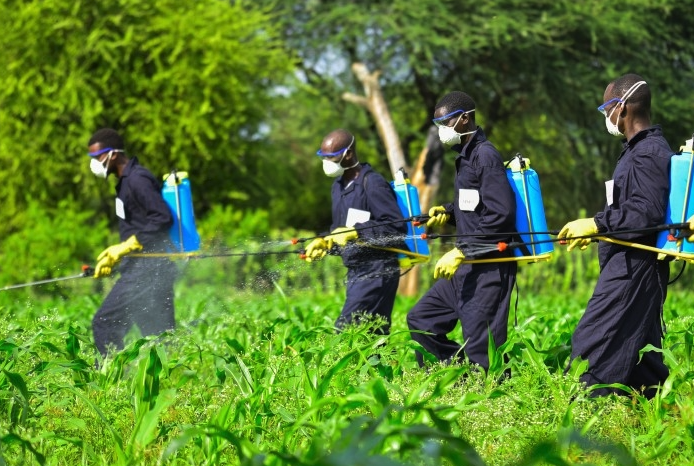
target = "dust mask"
x: 100, y: 169
x: 613, y: 128
x: 335, y: 169
x: 450, y: 137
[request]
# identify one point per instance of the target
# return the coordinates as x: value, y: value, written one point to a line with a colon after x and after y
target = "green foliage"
x: 264, y: 380
x: 537, y: 71
x: 187, y: 84
x: 52, y: 241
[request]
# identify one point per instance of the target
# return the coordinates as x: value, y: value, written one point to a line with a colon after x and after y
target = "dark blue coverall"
x: 372, y: 274
x: 143, y: 295
x: 625, y: 312
x: 478, y: 295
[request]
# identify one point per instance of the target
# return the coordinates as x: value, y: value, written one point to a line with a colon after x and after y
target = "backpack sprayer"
x: 680, y: 206
x: 408, y: 201
x: 530, y: 211
x: 178, y: 196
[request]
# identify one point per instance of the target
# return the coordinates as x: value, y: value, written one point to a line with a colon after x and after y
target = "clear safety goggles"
x: 320, y: 153
x: 442, y: 121
x: 603, y: 108
x: 103, y: 151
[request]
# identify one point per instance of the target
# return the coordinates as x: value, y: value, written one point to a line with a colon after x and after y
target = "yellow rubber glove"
x: 438, y: 216
x: 690, y: 231
x: 113, y: 254
x: 449, y: 263
x: 342, y: 235
x: 318, y: 248
x: 580, y: 227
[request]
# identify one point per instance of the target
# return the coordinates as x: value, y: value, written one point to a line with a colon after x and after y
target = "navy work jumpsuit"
x: 625, y: 312
x: 372, y: 274
x: 143, y: 295
x: 478, y: 295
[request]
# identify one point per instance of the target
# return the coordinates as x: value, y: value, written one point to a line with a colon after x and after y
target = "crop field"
x: 255, y: 374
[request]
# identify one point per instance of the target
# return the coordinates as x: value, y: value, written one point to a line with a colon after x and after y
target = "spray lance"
x: 475, y: 250
x: 87, y: 271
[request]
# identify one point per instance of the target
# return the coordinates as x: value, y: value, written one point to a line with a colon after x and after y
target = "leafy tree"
x: 536, y: 68
x: 187, y: 83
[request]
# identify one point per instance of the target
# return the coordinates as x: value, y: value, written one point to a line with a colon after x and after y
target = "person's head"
x: 454, y: 116
x: 338, y: 152
x: 106, y: 149
x: 626, y: 105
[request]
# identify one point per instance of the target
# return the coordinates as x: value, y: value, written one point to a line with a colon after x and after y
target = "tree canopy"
x: 187, y: 84
x: 536, y: 69
x: 241, y: 93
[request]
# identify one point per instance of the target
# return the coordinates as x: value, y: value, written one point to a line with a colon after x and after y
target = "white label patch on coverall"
x: 468, y: 199
x: 120, y: 208
x: 609, y: 191
x: 355, y: 216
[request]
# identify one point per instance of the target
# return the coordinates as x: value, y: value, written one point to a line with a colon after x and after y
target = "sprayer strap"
x: 406, y: 252
x: 679, y: 255
x: 521, y: 259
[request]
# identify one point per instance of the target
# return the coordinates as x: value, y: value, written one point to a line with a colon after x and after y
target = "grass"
x: 257, y: 376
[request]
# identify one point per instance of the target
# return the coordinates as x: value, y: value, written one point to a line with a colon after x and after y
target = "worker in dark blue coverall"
x: 361, y: 199
x: 625, y: 312
x: 143, y: 295
x: 477, y: 295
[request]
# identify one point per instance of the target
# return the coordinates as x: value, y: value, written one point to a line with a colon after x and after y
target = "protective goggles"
x: 320, y: 153
x: 441, y: 121
x: 603, y: 108
x: 103, y: 151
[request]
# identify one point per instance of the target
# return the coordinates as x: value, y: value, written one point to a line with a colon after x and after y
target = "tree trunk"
x: 426, y: 184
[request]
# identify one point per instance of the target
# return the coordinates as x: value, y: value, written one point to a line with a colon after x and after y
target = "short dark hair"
x: 107, y: 137
x: 640, y: 98
x: 456, y: 100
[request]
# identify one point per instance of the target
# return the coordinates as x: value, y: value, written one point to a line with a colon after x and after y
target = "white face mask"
x: 613, y: 128
x: 335, y: 169
x: 100, y: 169
x: 450, y: 137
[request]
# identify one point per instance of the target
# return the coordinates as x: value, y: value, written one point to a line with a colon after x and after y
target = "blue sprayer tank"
x: 178, y: 196
x: 408, y: 201
x: 680, y: 202
x: 530, y: 210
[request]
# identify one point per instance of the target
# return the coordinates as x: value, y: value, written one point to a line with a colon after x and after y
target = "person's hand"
x: 317, y: 249
x: 438, y: 216
x: 342, y: 235
x: 689, y: 232
x: 110, y: 256
x: 580, y: 227
x: 448, y: 264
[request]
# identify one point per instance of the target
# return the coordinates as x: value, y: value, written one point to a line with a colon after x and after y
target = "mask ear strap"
x: 631, y: 90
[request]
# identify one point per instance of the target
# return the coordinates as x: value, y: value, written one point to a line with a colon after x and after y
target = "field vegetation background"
x: 240, y: 94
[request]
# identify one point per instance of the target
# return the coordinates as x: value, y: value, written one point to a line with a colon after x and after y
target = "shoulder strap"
x: 366, y: 177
